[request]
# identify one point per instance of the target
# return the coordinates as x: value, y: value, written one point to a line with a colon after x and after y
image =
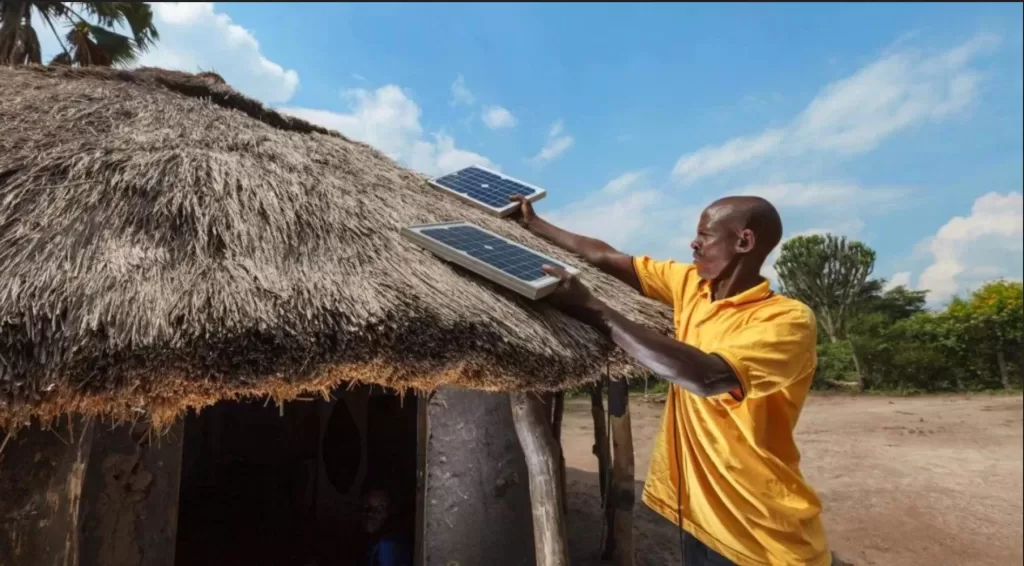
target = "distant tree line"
x: 874, y: 338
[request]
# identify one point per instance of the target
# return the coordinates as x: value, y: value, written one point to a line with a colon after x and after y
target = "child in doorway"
x: 388, y: 544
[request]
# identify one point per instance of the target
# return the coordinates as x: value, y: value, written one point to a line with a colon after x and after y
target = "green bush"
x: 957, y: 349
x: 835, y: 365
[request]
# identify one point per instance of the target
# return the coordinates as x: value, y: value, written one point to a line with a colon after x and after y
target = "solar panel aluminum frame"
x: 501, y: 212
x: 534, y: 290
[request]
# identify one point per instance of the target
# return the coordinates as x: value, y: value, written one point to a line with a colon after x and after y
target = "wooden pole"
x: 41, y: 475
x: 532, y: 423
x: 622, y: 493
x: 603, y: 454
x: 556, y: 427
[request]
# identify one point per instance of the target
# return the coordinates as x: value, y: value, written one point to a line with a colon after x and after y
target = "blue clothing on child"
x: 389, y: 550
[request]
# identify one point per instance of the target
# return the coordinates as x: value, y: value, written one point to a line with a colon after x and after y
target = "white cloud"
x: 828, y: 208
x: 901, y: 279
x: 556, y: 129
x: 616, y: 221
x: 969, y: 250
x: 629, y: 215
x: 389, y: 120
x: 856, y: 114
x: 557, y: 143
x: 443, y: 157
x: 710, y: 160
x: 194, y: 37
x: 497, y: 117
x: 835, y: 196
x: 461, y: 94
x: 385, y: 118
x: 624, y: 182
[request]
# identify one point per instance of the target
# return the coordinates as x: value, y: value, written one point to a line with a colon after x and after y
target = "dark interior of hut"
x: 263, y: 484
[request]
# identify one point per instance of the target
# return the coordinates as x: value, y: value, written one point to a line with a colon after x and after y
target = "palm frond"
x: 107, y: 14
x: 117, y: 49
x: 20, y: 46
x: 19, y: 43
x: 138, y: 16
x: 63, y: 59
x: 91, y: 38
x: 85, y: 51
x: 58, y: 60
x: 54, y: 10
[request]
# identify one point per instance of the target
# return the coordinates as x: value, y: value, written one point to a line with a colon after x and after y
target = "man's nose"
x: 693, y: 245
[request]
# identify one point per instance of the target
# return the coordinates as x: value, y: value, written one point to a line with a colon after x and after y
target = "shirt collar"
x: 756, y: 293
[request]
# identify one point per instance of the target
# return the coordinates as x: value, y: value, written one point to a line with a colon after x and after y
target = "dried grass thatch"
x: 166, y: 242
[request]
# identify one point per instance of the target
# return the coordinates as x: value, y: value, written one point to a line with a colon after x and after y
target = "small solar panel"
x: 486, y: 189
x: 499, y: 259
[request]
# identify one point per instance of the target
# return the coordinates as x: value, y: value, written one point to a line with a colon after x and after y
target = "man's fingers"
x: 555, y: 271
x: 517, y: 198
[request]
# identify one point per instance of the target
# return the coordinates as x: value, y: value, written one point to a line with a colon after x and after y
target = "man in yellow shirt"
x: 725, y: 467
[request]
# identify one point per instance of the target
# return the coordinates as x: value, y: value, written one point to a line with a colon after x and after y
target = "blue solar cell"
x: 486, y: 187
x: 514, y: 260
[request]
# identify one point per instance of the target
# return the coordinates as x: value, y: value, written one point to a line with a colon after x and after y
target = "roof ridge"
x: 193, y: 85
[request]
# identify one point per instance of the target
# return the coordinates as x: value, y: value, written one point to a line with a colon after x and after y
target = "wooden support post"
x: 622, y: 493
x: 602, y: 452
x: 41, y: 477
x: 556, y: 428
x: 130, y: 497
x: 550, y: 540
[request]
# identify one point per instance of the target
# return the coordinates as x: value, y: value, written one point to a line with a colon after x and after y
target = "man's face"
x: 715, y: 244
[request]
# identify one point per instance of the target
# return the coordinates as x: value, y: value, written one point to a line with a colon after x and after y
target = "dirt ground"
x: 904, y: 481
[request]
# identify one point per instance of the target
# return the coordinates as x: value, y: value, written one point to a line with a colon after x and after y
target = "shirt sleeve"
x: 661, y: 280
x: 771, y: 352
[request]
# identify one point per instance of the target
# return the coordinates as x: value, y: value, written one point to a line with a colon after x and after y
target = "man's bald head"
x: 734, y: 231
x: 755, y: 214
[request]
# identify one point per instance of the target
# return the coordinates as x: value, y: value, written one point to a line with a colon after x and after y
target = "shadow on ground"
x: 656, y: 540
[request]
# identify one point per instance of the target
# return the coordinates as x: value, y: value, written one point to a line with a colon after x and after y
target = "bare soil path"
x: 905, y: 481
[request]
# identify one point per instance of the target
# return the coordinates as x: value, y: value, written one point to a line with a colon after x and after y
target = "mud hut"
x: 206, y: 306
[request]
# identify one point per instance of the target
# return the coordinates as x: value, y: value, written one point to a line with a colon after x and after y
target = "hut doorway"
x: 269, y: 485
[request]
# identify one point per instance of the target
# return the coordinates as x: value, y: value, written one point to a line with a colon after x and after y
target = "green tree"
x: 991, y: 322
x: 893, y: 304
x: 89, y: 38
x: 876, y: 308
x: 882, y: 346
x: 828, y: 274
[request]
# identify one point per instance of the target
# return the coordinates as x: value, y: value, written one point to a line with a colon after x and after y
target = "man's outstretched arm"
x: 678, y: 363
x: 595, y: 252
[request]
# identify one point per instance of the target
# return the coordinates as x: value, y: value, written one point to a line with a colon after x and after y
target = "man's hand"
x: 525, y: 215
x: 572, y: 296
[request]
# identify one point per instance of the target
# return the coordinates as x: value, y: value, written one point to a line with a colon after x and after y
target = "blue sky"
x: 898, y: 125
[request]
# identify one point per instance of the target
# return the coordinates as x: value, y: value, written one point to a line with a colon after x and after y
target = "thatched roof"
x: 166, y: 242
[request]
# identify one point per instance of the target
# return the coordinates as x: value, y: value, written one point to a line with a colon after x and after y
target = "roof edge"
x: 169, y: 397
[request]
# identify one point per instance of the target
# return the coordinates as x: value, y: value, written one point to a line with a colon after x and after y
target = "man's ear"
x: 746, y: 241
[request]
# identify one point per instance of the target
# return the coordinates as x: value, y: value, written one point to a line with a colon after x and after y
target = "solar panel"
x: 499, y: 259
x: 487, y: 189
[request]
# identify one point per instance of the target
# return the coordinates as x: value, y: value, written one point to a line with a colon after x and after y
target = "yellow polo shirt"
x: 741, y: 490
